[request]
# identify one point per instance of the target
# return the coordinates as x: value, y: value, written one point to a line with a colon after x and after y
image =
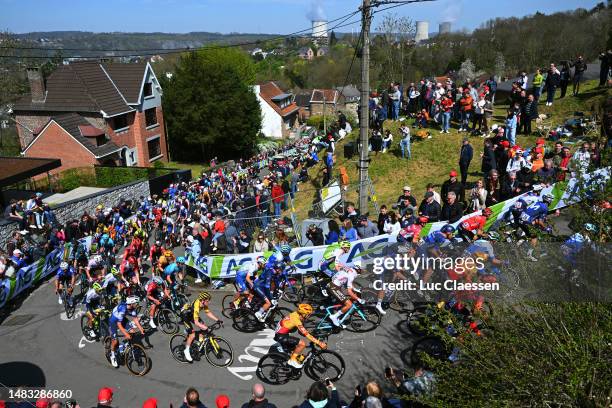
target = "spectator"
x: 387, y: 140
x: 579, y: 67
x: 465, y: 106
x: 259, y: 398
x: 605, y: 59
x: 564, y: 78
x: 430, y: 208
x: 510, y: 127
x: 492, y: 84
x: 436, y: 195
x: 321, y: 396
x: 525, y: 179
x: 493, y: 187
x: 315, y: 235
x: 395, y: 96
x: 382, y: 217
x: 222, y: 401
x: 192, y: 399
x: 564, y: 163
x: 478, y: 117
x: 243, y: 242
x: 446, y: 105
x: 452, y: 210
x: 538, y: 79
x: 465, y: 157
x: 510, y: 186
x: 105, y: 398
x: 261, y: 244
x: 552, y: 81
x: 478, y: 197
x: 422, y: 119
x: 351, y: 213
x: 347, y: 231
x: 488, y: 158
x: 555, y: 154
x: 392, y: 224
x: 529, y: 112
x: 488, y: 115
x: 366, y: 228
x: 582, y: 158
x: 150, y: 403
x: 547, y: 174
x: 516, y: 162
x: 333, y: 235
x: 277, y: 198
x: 373, y: 396
x: 405, y: 142
x: 453, y: 185
x: 406, y: 201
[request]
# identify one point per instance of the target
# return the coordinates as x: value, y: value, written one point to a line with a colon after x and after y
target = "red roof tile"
x: 268, y: 91
x: 90, y: 131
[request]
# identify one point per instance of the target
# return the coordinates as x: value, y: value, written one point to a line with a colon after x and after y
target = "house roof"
x: 90, y: 86
x: 268, y: 91
x: 324, y: 96
x: 78, y: 127
x: 302, y: 99
x: 349, y: 91
x: 16, y: 169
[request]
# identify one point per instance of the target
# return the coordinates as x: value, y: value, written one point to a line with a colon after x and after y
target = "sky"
x: 247, y: 16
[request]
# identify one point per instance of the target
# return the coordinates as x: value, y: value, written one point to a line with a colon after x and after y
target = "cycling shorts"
x: 337, y: 292
x: 530, y: 230
x: 263, y: 292
x: 288, y: 341
x: 114, y: 329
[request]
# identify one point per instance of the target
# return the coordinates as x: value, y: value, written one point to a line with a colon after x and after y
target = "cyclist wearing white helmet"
x: 94, y: 266
x: 119, y: 320
x: 280, y: 255
x: 156, y: 292
x: 245, y: 277
x: 65, y: 278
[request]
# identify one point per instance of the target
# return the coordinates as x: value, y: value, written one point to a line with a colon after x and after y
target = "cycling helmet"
x: 180, y: 259
x: 96, y: 286
x: 97, y: 258
x: 494, y: 236
x: 132, y: 300
x: 448, y: 229
x: 157, y: 243
x: 64, y: 266
x: 168, y: 254
x: 423, y: 220
x: 204, y: 296
x: 487, y: 212
x: 115, y: 271
x: 158, y: 280
x: 261, y: 260
x: 548, y: 198
x: 285, y: 249
x: 304, y: 309
x: 345, y: 244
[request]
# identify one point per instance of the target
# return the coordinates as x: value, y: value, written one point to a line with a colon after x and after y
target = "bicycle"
x: 68, y: 302
x: 166, y: 315
x: 361, y: 319
x: 133, y: 355
x: 319, y: 364
x: 217, y: 351
x: 99, y: 325
x: 244, y: 319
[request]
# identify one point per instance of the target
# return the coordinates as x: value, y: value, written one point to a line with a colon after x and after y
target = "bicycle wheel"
x: 400, y: 301
x: 136, y: 360
x: 107, y: 349
x: 181, y: 299
x: 325, y: 364
x: 85, y: 329
x: 365, y: 319
x: 69, y: 306
x: 291, y: 293
x: 273, y: 369
x: 276, y: 316
x: 226, y: 305
x: 245, y: 321
x: 370, y: 296
x: 103, y: 329
x: 432, y: 346
x: 218, y: 352
x: 177, y: 348
x: 168, y: 321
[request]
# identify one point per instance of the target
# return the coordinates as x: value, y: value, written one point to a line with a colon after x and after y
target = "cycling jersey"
x: 289, y: 323
x: 191, y: 311
x: 409, y: 233
x: 109, y: 279
x: 171, y: 270
x: 91, y: 300
x: 106, y: 242
x: 332, y: 254
x: 481, y: 245
x: 435, y: 240
x: 153, y: 289
x: 119, y: 314
x: 64, y: 275
x: 92, y: 264
x: 474, y: 223
x: 242, y: 274
x: 344, y: 278
x: 535, y: 211
x: 156, y: 251
x: 276, y: 257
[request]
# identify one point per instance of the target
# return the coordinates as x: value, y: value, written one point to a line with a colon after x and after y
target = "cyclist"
x: 190, y: 314
x: 112, y: 282
x: 79, y: 255
x: 65, y: 278
x: 262, y: 287
x: 411, y: 233
x: 155, y: 253
x: 106, y: 245
x: 173, y: 273
x: 331, y: 258
x: 281, y: 255
x: 572, y: 247
x: 533, y: 218
x: 166, y: 259
x: 95, y: 265
x: 118, y: 320
x: 341, y: 287
x: 129, y: 270
x: 156, y: 292
x: 92, y: 302
x: 473, y: 227
x: 294, y: 345
x: 245, y: 278
x: 432, y: 244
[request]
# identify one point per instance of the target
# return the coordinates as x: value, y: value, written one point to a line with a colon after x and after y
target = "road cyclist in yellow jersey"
x: 291, y: 344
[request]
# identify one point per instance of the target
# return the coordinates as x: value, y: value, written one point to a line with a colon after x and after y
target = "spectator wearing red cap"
x: 150, y: 403
x: 222, y: 401
x: 452, y: 184
x: 105, y: 397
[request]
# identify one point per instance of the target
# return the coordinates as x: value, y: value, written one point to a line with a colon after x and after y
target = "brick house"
x: 324, y: 100
x: 90, y: 113
x: 279, y: 112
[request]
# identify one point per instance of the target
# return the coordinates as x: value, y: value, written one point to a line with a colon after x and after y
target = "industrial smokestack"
x: 444, y: 28
x: 422, y: 31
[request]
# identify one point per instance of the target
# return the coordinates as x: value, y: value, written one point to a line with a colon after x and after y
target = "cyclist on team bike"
x: 92, y: 301
x: 79, y: 255
x: 570, y: 249
x: 473, y: 227
x: 281, y: 255
x: 94, y: 268
x: 291, y: 344
x: 341, y: 288
x: 64, y: 278
x: 129, y: 270
x: 330, y: 264
x: 156, y: 292
x: 190, y: 315
x: 173, y: 273
x: 533, y: 219
x: 166, y: 259
x: 262, y: 288
x: 412, y: 232
x: 155, y: 253
x: 106, y: 245
x: 118, y: 320
x: 112, y: 282
x: 432, y: 244
x: 244, y: 279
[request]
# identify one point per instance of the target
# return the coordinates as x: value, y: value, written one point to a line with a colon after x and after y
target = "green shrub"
x: 317, y: 121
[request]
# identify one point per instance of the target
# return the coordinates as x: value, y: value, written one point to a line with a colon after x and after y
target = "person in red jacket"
x: 277, y: 198
x: 465, y: 106
x: 218, y: 231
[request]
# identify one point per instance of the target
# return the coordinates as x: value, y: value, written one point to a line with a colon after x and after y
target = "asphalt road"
x: 39, y: 333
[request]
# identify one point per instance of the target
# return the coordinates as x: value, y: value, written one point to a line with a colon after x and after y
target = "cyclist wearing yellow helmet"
x: 331, y: 258
x: 164, y: 260
x: 190, y: 314
x: 292, y: 344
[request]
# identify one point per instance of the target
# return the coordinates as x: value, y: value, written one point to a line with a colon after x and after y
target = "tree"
x: 500, y: 65
x: 467, y: 71
x: 390, y: 47
x: 210, y: 106
x: 333, y: 40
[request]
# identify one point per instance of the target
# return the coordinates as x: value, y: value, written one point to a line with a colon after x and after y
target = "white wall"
x: 271, y: 121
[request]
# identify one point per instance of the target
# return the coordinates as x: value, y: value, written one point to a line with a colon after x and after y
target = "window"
x: 100, y: 140
x: 120, y: 122
x: 148, y: 89
x: 151, y: 117
x: 154, y: 148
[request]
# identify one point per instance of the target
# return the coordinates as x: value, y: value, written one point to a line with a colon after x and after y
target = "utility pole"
x: 364, y: 116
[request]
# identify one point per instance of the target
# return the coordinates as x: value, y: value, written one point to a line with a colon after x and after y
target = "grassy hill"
x: 432, y: 159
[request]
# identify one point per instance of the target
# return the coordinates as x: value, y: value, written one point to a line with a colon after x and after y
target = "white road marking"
x: 77, y: 314
x: 83, y: 342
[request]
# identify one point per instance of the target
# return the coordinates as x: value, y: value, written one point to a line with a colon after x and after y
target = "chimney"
x: 37, y: 84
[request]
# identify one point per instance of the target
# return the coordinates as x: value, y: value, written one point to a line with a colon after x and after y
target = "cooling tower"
x: 319, y: 29
x: 445, y: 28
x: 422, y: 31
